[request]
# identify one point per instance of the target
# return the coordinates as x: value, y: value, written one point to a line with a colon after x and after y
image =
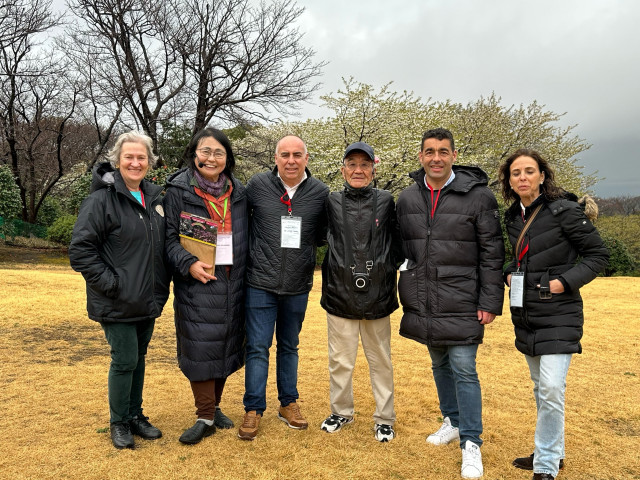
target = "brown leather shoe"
x: 291, y: 416
x: 249, y: 428
x: 526, y: 463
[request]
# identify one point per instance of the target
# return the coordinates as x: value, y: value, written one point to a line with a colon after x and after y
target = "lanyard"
x: 433, y: 204
x: 224, y: 210
x: 286, y: 201
x: 520, y: 250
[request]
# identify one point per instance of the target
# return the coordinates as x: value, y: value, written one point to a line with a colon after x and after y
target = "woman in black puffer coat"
x: 209, y: 309
x: 558, y: 253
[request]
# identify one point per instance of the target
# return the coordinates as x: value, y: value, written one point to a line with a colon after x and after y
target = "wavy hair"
x: 132, y: 136
x: 549, y: 189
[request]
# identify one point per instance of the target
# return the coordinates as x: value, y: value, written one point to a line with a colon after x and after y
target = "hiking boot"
x: 447, y: 433
x: 140, y: 426
x: 526, y: 463
x: 195, y: 434
x: 220, y: 420
x: 291, y: 416
x: 333, y: 423
x: 249, y: 428
x: 471, y: 461
x: 121, y: 435
x: 384, y: 432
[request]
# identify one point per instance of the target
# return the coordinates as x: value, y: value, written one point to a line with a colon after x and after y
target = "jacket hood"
x: 103, y: 175
x: 467, y: 177
x: 180, y: 179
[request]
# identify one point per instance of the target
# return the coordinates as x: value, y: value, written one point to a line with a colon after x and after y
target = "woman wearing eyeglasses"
x: 209, y: 309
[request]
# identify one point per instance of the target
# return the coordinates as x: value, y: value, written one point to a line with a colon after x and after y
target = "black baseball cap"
x: 360, y: 147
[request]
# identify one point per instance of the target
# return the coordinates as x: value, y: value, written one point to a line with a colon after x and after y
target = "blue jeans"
x: 265, y: 312
x: 549, y: 375
x: 454, y: 371
x: 128, y: 342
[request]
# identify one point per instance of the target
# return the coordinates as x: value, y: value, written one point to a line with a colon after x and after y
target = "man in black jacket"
x: 451, y: 283
x: 359, y: 289
x: 287, y: 223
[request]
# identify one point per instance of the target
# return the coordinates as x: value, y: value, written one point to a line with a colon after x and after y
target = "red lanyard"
x: 433, y: 204
x: 287, y: 202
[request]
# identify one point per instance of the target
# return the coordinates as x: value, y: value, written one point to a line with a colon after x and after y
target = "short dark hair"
x: 548, y: 188
x: 440, y: 134
x: 220, y: 137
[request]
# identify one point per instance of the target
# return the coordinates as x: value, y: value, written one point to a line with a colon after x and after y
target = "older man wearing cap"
x: 359, y: 289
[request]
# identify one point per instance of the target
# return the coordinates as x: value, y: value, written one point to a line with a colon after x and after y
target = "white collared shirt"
x: 292, y: 190
x: 451, y: 177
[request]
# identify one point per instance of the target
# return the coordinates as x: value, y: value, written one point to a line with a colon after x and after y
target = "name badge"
x: 516, y: 295
x: 290, y: 231
x: 224, y: 249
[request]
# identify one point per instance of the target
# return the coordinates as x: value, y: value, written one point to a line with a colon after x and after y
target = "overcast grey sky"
x: 581, y: 57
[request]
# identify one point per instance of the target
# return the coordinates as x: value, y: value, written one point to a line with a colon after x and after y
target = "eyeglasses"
x: 208, y: 153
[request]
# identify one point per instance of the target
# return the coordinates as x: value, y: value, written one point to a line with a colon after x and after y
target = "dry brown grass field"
x: 54, y: 413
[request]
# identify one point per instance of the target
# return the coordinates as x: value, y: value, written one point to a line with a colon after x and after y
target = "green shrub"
x: 61, y: 230
x: 320, y: 253
x: 621, y: 261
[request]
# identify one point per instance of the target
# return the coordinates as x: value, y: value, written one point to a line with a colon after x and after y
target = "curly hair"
x: 549, y: 189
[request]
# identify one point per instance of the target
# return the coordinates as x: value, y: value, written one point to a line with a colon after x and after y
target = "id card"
x: 290, y: 231
x: 224, y: 249
x: 516, y: 295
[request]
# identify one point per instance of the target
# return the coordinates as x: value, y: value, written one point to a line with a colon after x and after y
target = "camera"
x: 361, y: 282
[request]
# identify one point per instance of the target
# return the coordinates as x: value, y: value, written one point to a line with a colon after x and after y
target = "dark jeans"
x: 128, y: 342
x: 265, y: 312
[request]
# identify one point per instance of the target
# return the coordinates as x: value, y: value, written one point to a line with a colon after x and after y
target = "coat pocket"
x: 408, y: 290
x: 457, y: 290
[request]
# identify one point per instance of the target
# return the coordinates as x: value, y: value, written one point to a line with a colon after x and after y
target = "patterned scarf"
x: 216, y: 188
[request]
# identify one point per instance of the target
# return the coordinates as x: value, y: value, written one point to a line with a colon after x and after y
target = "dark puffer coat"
x: 209, y: 317
x: 338, y: 294
x: 284, y: 271
x: 454, y: 260
x: 558, y: 236
x: 118, y: 246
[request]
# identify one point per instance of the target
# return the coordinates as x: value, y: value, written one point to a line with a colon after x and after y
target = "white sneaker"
x: 384, y: 432
x: 445, y: 434
x: 471, y: 461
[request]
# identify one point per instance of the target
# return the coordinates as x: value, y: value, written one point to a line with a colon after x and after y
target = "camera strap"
x: 347, y: 238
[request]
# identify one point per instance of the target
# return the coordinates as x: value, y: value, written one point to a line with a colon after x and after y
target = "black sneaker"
x: 526, y: 463
x: 140, y: 426
x: 196, y: 433
x: 121, y: 435
x: 333, y: 423
x: 220, y: 420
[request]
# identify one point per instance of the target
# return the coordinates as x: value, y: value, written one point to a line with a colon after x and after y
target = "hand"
x: 509, y: 280
x: 555, y: 286
x: 197, y: 271
x: 485, y: 317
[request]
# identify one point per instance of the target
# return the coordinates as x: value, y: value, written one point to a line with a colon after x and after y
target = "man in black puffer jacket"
x: 359, y: 289
x: 451, y: 283
x: 286, y: 224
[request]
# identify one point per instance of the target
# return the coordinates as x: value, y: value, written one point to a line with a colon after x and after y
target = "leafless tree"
x: 37, y: 103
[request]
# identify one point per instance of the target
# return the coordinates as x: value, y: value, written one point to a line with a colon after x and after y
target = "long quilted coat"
x: 209, y: 317
x: 564, y: 245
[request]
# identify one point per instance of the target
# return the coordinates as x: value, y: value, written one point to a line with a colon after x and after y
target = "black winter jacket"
x: 209, y: 317
x: 118, y: 246
x: 284, y: 271
x: 454, y: 260
x: 338, y: 294
x: 559, y: 235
